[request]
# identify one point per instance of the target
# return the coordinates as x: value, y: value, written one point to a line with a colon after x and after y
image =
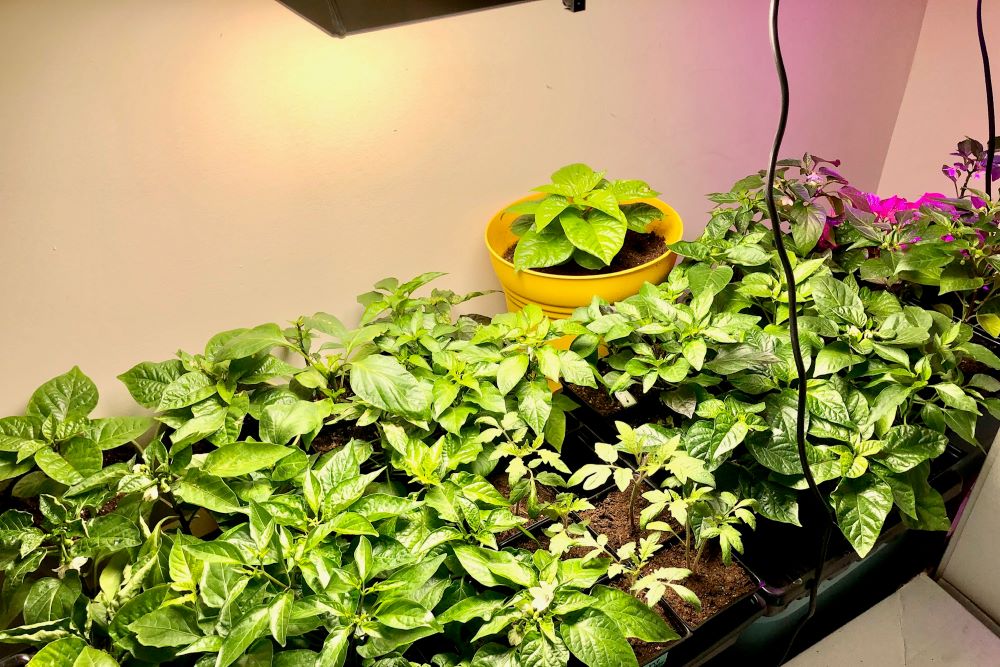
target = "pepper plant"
x: 583, y: 218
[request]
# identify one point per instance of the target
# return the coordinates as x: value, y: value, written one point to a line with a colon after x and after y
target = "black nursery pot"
x: 784, y: 556
x: 599, y: 410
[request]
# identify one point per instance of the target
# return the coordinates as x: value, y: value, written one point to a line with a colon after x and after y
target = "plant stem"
x: 633, y: 499
x: 697, y: 557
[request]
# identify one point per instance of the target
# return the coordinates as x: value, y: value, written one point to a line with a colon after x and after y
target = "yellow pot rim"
x: 660, y: 204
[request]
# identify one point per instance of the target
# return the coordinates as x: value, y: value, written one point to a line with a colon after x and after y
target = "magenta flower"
x: 886, y: 208
x: 947, y: 238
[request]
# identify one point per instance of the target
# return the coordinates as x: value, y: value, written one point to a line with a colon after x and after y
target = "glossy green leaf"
x: 243, y: 458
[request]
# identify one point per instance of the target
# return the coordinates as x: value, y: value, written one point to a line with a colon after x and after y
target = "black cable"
x: 990, y: 111
x: 793, y: 330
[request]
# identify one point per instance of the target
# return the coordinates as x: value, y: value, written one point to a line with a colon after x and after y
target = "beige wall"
x: 170, y: 169
x: 945, y: 97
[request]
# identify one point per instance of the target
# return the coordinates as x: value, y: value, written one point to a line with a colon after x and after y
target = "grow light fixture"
x: 344, y: 17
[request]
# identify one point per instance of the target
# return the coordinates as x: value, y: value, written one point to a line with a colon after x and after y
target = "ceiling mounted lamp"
x: 345, y: 17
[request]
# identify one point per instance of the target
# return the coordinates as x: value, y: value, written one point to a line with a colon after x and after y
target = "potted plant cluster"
x: 416, y: 489
x: 900, y: 354
x: 582, y: 235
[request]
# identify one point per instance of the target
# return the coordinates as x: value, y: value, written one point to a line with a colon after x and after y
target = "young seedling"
x: 526, y: 454
x: 634, y: 558
x: 653, y: 449
x: 714, y: 516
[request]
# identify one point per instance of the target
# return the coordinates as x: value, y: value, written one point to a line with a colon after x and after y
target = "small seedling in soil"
x: 634, y: 559
x: 712, y: 516
x: 654, y: 449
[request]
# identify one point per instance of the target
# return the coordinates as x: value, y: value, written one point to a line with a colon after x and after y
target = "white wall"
x: 945, y: 98
x: 171, y: 169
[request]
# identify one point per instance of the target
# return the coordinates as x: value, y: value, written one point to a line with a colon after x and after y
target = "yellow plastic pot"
x: 558, y: 295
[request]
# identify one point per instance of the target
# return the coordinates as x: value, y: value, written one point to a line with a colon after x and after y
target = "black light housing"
x: 344, y: 17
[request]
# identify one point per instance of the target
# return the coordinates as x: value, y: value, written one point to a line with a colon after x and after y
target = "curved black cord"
x: 990, y: 111
x: 793, y: 329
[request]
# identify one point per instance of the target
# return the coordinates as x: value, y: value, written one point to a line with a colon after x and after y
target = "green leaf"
x: 404, y: 615
x: 834, y: 358
x: 931, y: 513
x: 335, y: 647
x: 836, y: 300
x: 953, y: 396
x: 956, y: 278
x: 982, y: 354
x: 633, y: 618
x: 147, y: 381
x: 203, y: 490
x: 631, y: 189
x: 922, y: 257
x: 824, y: 401
x: 251, y: 342
x: 640, y: 216
x: 51, y: 599
x: 111, y: 432
x: 84, y: 455
x: 186, y: 390
x: 383, y: 382
x: 548, y: 210
x: 578, y: 177
x: 351, y: 523
x: 20, y: 433
x: 575, y: 369
x: 776, y: 502
x: 481, y: 606
x: 599, y: 235
x: 173, y: 625
x: 861, y: 506
x: 493, y: 568
x: 747, y: 255
x: 535, y: 405
x: 808, y: 221
x: 216, y: 551
x: 541, y: 249
x: 539, y: 650
x: 510, y: 372
x: 243, y: 458
x: 905, y: 447
x: 57, y: 467
x: 245, y: 632
x: 363, y: 558
x: 694, y: 351
x: 595, y: 640
x: 71, y: 652
x: 281, y: 422
x: 69, y: 396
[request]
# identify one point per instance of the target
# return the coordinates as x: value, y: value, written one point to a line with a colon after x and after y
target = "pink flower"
x: 947, y: 238
x: 886, y: 208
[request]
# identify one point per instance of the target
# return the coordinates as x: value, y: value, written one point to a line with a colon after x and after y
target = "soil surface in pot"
x: 610, y: 517
x: 501, y: 482
x: 598, y: 399
x: 717, y: 585
x: 644, y: 652
x: 339, y: 434
x: 121, y: 454
x: 637, y: 250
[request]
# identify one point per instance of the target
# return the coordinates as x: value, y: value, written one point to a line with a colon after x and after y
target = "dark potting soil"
x: 121, y: 454
x: 610, y: 517
x: 644, y: 651
x: 717, y: 585
x: 501, y: 482
x: 637, y: 250
x: 334, y: 436
x: 597, y: 399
